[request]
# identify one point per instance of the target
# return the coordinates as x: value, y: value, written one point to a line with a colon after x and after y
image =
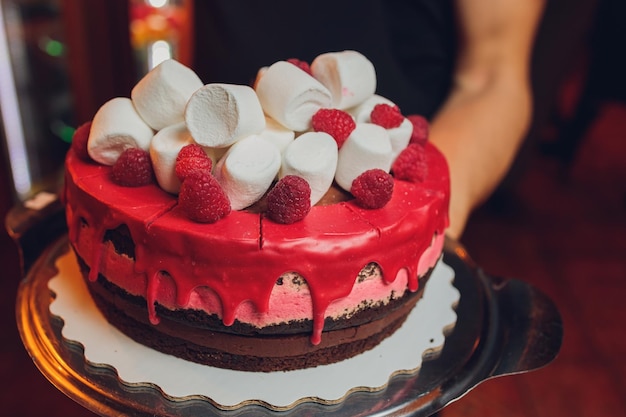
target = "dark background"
x: 557, y: 222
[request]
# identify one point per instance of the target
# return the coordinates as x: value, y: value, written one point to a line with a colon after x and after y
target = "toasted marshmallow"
x: 362, y: 113
x: 312, y: 156
x: 247, y: 170
x: 291, y: 96
x: 218, y: 115
x: 161, y: 95
x: 400, y: 136
x: 367, y: 147
x: 259, y: 75
x: 277, y: 134
x: 164, y: 149
x: 116, y: 127
x: 348, y: 75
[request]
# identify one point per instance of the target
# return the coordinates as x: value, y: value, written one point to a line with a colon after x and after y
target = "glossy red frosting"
x: 241, y: 256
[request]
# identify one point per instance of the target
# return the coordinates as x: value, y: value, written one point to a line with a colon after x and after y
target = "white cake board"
x: 103, y: 344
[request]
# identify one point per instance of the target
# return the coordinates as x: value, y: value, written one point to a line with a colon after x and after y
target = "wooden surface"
x: 563, y: 231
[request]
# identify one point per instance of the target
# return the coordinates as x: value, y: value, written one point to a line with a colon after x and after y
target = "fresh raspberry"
x: 289, y: 200
x: 303, y: 65
x: 191, y: 150
x: 202, y: 199
x: 79, y: 141
x: 193, y: 163
x: 133, y: 168
x: 420, y: 129
x: 191, y: 158
x: 372, y: 189
x: 410, y: 165
x: 337, y: 123
x: 386, y: 116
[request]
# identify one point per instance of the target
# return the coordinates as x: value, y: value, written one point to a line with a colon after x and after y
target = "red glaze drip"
x: 238, y: 262
x: 95, y: 260
x: 151, y: 291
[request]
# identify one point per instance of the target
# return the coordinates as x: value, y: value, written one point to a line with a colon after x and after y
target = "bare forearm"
x: 481, y: 125
x: 480, y: 133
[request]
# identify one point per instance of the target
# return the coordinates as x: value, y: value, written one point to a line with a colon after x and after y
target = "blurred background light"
x: 11, y: 117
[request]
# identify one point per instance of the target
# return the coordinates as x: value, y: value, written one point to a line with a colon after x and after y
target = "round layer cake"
x: 247, y: 293
x: 244, y: 291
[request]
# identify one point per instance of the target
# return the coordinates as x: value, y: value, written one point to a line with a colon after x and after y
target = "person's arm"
x: 482, y: 123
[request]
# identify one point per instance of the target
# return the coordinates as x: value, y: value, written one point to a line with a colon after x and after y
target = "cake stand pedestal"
x: 504, y: 327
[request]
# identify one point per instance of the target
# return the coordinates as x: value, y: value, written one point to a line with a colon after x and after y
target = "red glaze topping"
x: 241, y: 256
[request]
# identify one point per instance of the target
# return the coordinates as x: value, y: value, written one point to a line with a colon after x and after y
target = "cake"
x: 297, y: 261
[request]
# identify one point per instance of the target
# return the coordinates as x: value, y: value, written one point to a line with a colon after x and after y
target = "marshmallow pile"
x: 254, y: 135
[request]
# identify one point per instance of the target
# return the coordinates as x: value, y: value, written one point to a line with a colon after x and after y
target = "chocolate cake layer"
x: 248, y: 353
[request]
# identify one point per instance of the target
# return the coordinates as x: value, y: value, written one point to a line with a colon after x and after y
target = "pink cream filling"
x: 287, y: 302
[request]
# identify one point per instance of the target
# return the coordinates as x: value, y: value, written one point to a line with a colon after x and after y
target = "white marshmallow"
x: 312, y: 156
x: 363, y: 111
x: 291, y: 96
x: 161, y: 95
x: 400, y: 136
x: 164, y: 149
x: 349, y: 75
x: 247, y: 170
x: 367, y: 147
x: 116, y: 127
x: 277, y: 134
x: 218, y: 115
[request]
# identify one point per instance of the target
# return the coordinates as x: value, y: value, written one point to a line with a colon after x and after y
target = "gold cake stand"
x: 504, y: 327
